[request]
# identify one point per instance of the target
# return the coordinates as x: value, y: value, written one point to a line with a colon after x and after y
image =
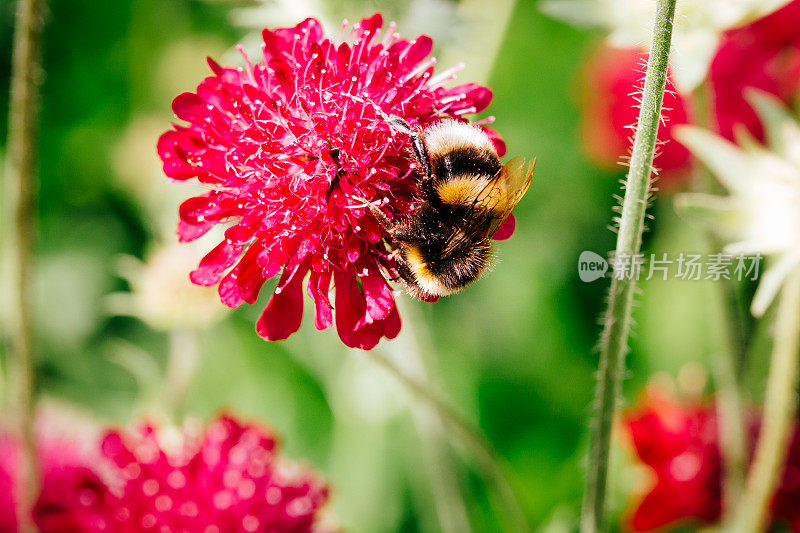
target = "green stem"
x: 618, y: 318
x: 181, y: 367
x: 727, y: 364
x: 780, y: 406
x: 733, y: 440
x: 21, y: 172
x: 437, y: 455
x: 489, y: 460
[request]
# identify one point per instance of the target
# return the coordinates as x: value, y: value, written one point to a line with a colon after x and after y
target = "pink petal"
x: 284, y: 312
x: 214, y: 66
x: 377, y: 293
x: 215, y: 263
x: 244, y: 282
x: 372, y: 23
x: 472, y: 95
x: 200, y: 209
x: 391, y: 325
x: 351, y: 310
x: 497, y: 141
x: 172, y: 147
x: 189, y: 232
x: 318, y: 287
x: 506, y: 229
x: 419, y: 50
x: 190, y: 107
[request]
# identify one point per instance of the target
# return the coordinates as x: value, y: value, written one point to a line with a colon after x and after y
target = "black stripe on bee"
x: 463, y: 161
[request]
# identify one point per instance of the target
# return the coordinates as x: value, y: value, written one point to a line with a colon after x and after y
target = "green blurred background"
x: 515, y: 352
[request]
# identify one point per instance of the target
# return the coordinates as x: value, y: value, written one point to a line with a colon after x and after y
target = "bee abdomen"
x: 439, y: 276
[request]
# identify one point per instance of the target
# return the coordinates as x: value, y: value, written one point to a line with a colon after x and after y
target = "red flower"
x: 679, y: 442
x: 9, y: 459
x: 612, y: 84
x: 764, y: 54
x: 285, y: 147
x: 225, y: 480
x: 71, y: 497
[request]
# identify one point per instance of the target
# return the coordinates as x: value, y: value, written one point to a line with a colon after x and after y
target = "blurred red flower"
x: 679, y: 442
x: 285, y: 146
x: 72, y: 494
x: 612, y: 87
x: 225, y: 479
x: 764, y: 54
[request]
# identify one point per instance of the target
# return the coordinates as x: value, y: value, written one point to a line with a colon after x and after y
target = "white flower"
x: 762, y: 213
x: 696, y: 34
x: 162, y: 294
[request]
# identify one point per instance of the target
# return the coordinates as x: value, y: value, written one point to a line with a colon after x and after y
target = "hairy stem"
x: 780, y: 406
x: 21, y: 171
x: 618, y: 318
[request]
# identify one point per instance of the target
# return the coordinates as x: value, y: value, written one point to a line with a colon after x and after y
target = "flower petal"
x: 506, y: 229
x: 318, y: 287
x: 215, y: 263
x: 190, y: 107
x: 284, y: 311
x: 377, y: 294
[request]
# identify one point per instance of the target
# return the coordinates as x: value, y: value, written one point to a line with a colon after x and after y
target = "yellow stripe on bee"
x: 426, y: 279
x: 461, y: 190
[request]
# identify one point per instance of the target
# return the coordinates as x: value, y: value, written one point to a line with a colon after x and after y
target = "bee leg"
x: 420, y: 154
x: 402, y: 234
x: 417, y: 141
x: 382, y: 219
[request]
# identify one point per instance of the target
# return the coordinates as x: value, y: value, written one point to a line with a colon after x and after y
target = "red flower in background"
x: 71, y: 494
x: 227, y: 479
x: 764, y: 54
x: 679, y: 442
x: 284, y: 147
x: 612, y: 84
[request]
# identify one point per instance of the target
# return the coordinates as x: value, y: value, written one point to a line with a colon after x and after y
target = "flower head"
x: 764, y: 55
x: 679, y: 442
x: 227, y: 478
x: 286, y: 147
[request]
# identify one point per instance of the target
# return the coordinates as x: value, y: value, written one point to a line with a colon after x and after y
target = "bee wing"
x: 493, y: 203
x: 513, y: 180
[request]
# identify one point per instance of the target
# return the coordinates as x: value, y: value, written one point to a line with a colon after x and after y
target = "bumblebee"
x: 463, y: 198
